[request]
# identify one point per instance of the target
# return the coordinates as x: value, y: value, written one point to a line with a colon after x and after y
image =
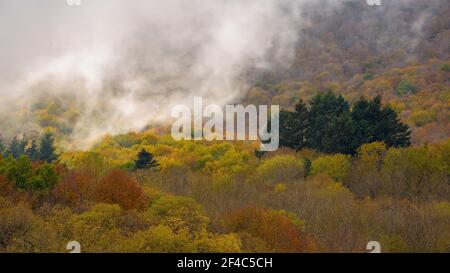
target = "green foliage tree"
x: 19, y: 171
x: 365, y: 114
x: 391, y: 130
x: 287, y: 130
x: 33, y: 151
x: 375, y: 123
x: 23, y: 143
x: 2, y: 146
x: 145, y: 160
x: 294, y: 126
x: 330, y: 124
x: 47, y: 148
x: 14, y: 148
x: 331, y: 127
x: 45, y: 177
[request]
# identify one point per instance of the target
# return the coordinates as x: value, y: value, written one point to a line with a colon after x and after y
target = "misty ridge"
x: 114, y: 66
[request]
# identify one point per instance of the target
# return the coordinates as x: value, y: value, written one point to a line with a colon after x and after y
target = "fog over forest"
x: 123, y: 65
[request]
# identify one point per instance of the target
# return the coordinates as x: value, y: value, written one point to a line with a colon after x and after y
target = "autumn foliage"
x: 365, y: 153
x: 118, y: 187
x: 76, y: 189
x: 278, y: 231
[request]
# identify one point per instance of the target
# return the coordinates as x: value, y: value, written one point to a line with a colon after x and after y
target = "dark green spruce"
x: 331, y: 125
x: 47, y: 148
x: 145, y: 161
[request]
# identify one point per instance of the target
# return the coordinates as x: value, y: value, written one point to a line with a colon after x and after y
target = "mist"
x: 124, y: 64
x: 127, y: 63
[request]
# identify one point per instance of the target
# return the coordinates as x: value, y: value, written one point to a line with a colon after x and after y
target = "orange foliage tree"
x: 75, y: 189
x: 279, y: 231
x: 117, y: 187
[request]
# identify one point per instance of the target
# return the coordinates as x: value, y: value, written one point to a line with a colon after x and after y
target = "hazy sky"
x: 125, y: 63
x: 134, y: 59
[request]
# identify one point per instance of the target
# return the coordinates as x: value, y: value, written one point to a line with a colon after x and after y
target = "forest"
x: 364, y: 153
x: 145, y: 192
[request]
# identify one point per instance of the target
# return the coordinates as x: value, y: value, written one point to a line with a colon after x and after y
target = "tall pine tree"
x: 391, y: 130
x: 23, y: 145
x: 331, y: 127
x: 32, y: 151
x: 145, y: 160
x: 294, y: 126
x: 365, y: 115
x: 301, y: 117
x: 288, y: 130
x: 2, y: 146
x: 47, y: 148
x: 375, y: 123
x: 14, y: 148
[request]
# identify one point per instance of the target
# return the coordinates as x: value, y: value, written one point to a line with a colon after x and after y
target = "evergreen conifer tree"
x: 22, y: 145
x: 32, y: 152
x: 375, y: 123
x: 14, y: 148
x: 2, y: 146
x: 145, y: 160
x: 331, y: 127
x: 47, y: 148
x: 294, y: 126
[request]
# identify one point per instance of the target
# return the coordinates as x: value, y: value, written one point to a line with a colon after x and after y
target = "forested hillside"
x: 364, y: 152
x: 221, y: 197
x: 400, y: 52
